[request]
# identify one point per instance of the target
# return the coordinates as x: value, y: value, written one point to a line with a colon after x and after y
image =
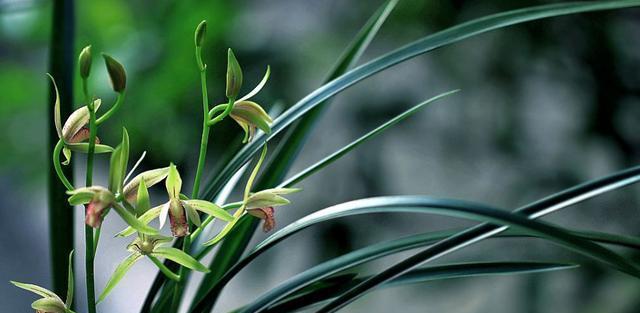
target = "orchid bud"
x: 117, y: 73
x: 201, y: 31
x: 84, y: 62
x: 234, y: 76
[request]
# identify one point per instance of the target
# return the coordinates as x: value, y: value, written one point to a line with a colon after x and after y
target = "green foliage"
x: 262, y: 196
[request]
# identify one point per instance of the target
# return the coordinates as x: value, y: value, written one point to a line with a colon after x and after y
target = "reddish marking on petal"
x: 93, y: 214
x: 266, y: 214
x: 178, y: 220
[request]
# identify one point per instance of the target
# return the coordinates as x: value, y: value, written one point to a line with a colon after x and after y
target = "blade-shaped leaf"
x: 421, y: 204
x: 235, y: 244
x: 460, y: 240
x: 422, y: 275
x: 346, y: 149
x: 178, y: 256
x: 418, y: 47
x: 119, y: 273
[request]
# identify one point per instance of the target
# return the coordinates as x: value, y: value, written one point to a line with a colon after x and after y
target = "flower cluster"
x: 129, y: 197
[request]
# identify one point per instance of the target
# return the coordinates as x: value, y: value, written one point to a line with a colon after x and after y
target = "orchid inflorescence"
x: 129, y: 197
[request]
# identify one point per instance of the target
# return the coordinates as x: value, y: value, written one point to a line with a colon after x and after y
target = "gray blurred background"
x: 543, y: 106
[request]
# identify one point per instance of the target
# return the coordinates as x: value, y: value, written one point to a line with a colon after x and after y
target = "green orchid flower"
x: 154, y: 248
x: 50, y: 302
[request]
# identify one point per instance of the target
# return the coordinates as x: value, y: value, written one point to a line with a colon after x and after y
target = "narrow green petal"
x: 84, y: 147
x: 143, y: 204
x: 179, y: 257
x: 57, y: 118
x: 174, y: 182
x: 145, y: 218
x: 43, y: 292
x: 259, y: 86
x: 49, y: 305
x: 119, y: 273
x: 67, y: 156
x: 70, y: 281
x: 192, y: 215
x: 210, y: 209
x: 150, y: 178
x: 133, y: 221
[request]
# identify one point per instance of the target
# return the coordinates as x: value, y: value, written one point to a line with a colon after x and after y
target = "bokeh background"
x: 543, y: 106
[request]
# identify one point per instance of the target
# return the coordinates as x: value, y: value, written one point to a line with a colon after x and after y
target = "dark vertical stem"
x: 61, y: 61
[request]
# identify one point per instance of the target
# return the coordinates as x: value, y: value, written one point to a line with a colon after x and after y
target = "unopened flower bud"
x: 234, y: 76
x: 117, y: 73
x: 84, y: 62
x: 201, y: 31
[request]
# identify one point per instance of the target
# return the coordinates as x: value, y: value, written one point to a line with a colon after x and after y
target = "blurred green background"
x: 543, y: 106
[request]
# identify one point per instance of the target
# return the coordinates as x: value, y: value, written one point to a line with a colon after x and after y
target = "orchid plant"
x: 130, y: 198
x: 327, y: 286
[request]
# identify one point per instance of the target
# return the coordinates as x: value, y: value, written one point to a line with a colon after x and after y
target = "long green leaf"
x: 244, y: 229
x: 482, y: 231
x: 421, y: 46
x: 318, y: 273
x: 539, y: 208
x: 422, y: 275
x: 346, y: 149
x: 421, y: 204
x: 239, y: 238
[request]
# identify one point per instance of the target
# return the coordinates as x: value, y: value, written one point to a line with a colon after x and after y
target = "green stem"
x: 227, y: 110
x: 112, y: 110
x: 85, y: 90
x: 58, y: 167
x: 204, y: 140
x: 88, y: 230
x: 165, y: 270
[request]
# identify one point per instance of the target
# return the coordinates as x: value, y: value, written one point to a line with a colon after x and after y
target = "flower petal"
x: 78, y: 119
x: 179, y: 257
x: 174, y: 182
x: 119, y: 273
x: 151, y: 178
x: 164, y: 211
x: 145, y: 218
x: 259, y: 86
x: 49, y: 305
x: 43, y: 292
x: 210, y: 209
